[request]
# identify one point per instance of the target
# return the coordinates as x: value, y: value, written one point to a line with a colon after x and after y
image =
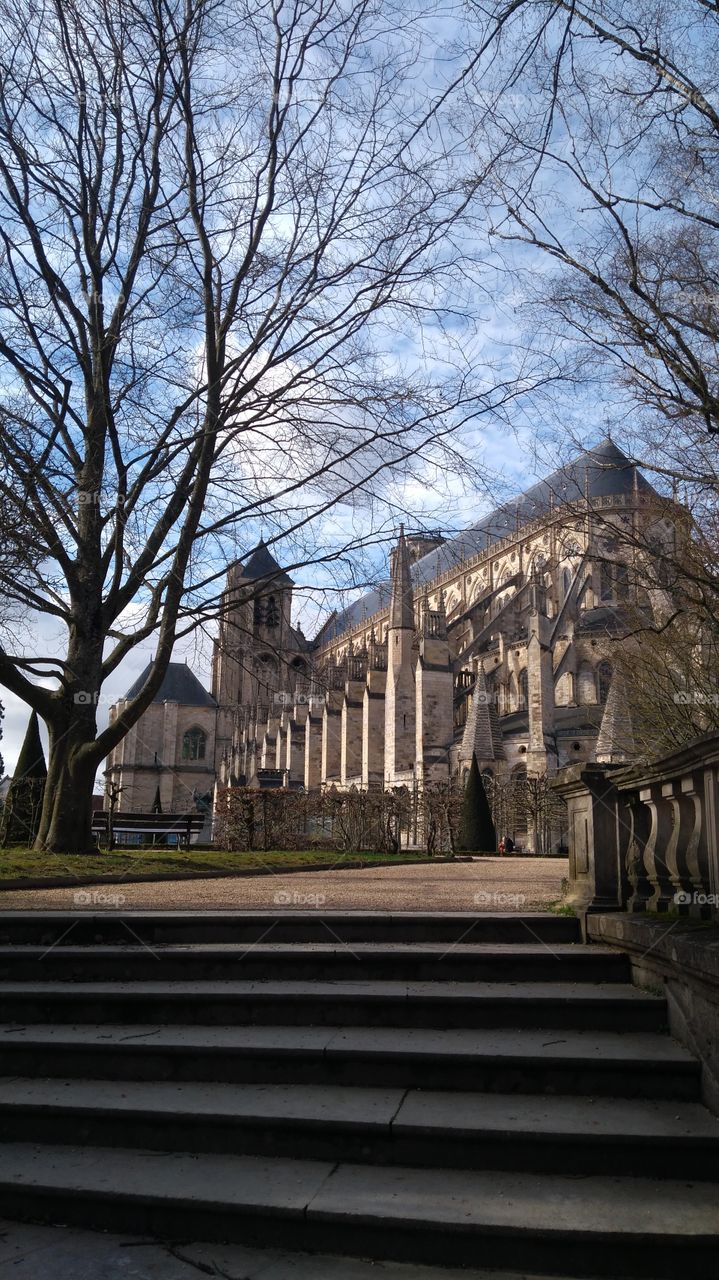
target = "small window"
x: 194, y: 745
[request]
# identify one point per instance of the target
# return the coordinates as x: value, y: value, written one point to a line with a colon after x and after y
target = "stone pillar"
x: 351, y: 732
x: 313, y: 747
x: 434, y: 709
x: 373, y: 716
x: 269, y: 745
x: 399, y: 725
x: 399, y: 734
x: 540, y: 689
x: 596, y: 878
x: 294, y: 761
x: 281, y: 741
x: 332, y: 736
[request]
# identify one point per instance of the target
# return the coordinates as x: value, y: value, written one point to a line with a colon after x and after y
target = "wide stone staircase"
x: 454, y: 1091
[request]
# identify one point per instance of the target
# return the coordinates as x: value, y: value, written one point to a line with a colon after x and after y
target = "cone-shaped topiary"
x: 476, y: 832
x: 21, y: 815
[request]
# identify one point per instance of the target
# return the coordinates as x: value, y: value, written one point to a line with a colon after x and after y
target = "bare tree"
x: 216, y: 220
x: 605, y: 114
x: 608, y: 111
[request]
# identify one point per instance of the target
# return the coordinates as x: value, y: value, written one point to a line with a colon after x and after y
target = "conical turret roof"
x: 31, y: 760
x: 482, y: 735
x: 262, y: 564
x: 615, y: 744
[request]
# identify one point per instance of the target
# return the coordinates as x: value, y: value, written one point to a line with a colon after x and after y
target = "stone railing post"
x: 596, y: 838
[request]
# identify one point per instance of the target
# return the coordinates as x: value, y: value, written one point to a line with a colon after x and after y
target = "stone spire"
x: 401, y: 609
x: 482, y: 736
x: 615, y: 744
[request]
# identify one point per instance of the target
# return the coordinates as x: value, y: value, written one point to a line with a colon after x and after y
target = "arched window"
x: 523, y: 690
x: 566, y: 582
x: 604, y: 680
x: 194, y: 745
x: 564, y: 690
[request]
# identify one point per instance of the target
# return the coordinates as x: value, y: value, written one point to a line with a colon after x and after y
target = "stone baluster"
x: 638, y: 824
x: 660, y: 833
x: 693, y: 845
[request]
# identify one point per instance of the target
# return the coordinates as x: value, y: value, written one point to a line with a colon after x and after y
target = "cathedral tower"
x: 256, y: 662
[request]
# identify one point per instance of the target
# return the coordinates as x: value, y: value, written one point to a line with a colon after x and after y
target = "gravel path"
x: 485, y: 884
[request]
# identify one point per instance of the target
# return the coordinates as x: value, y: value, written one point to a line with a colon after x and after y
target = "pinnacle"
x: 401, y: 613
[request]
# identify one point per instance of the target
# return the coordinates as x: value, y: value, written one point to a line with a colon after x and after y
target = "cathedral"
x: 500, y: 642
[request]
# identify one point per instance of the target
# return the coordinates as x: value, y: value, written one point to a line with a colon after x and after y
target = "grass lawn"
x: 16, y: 863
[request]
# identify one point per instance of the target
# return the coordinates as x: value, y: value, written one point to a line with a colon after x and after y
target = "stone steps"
x: 358, y: 961
x: 557, y: 1134
x: 33, y: 1251
x: 416, y: 1102
x: 578, y: 1005
x: 605, y: 1226
x: 104, y: 927
x: 628, y: 1064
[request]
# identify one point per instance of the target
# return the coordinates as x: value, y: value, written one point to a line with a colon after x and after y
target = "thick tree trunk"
x: 66, y: 820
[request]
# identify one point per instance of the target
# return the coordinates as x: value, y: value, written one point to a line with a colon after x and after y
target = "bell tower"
x: 252, y: 654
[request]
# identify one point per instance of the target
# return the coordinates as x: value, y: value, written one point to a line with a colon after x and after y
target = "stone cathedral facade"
x: 501, y: 641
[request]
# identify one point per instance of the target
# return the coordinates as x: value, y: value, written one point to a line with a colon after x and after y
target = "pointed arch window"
x: 523, y: 690
x: 194, y: 745
x: 604, y: 680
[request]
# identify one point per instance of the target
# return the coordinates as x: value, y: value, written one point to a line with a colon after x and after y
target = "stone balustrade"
x: 645, y: 838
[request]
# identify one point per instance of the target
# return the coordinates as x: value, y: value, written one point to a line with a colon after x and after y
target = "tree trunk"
x: 66, y: 821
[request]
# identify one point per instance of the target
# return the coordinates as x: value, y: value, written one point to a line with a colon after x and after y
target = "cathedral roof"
x: 262, y: 564
x: 180, y: 685
x: 599, y: 472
